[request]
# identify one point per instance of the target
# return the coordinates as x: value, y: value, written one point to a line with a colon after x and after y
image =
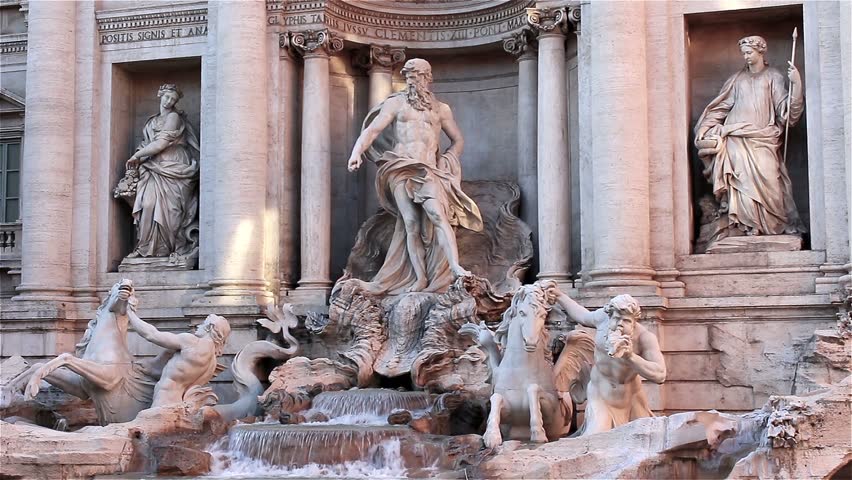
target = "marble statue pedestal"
x: 757, y: 243
x: 148, y: 264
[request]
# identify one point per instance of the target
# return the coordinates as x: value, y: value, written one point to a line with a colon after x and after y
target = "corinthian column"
x: 241, y: 151
x: 48, y: 156
x: 315, y: 47
x: 379, y: 62
x: 523, y: 46
x: 554, y: 175
x: 619, y: 113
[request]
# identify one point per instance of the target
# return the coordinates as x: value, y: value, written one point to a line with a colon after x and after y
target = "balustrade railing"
x: 10, y: 244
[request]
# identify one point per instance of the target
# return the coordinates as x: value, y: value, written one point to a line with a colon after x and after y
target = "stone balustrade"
x: 10, y: 245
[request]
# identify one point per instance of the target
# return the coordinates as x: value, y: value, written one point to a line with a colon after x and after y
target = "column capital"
x: 574, y: 18
x: 380, y: 57
x: 285, y: 49
x: 548, y: 20
x: 315, y: 43
x: 521, y: 44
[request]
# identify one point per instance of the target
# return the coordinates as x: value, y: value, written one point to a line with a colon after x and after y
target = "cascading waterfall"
x: 356, y: 441
x: 305, y: 444
x: 369, y: 401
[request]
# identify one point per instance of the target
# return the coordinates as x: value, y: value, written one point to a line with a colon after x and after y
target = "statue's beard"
x: 419, y: 97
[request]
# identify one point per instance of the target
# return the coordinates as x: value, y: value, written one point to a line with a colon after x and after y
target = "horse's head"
x: 120, y: 295
x: 530, y: 308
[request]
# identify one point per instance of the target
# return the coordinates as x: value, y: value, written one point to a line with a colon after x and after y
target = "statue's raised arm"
x: 418, y: 185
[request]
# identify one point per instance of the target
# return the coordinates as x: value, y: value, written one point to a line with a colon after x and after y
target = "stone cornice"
x: 381, y: 23
x: 152, y: 23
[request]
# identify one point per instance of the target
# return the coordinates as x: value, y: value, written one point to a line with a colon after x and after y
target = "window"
x: 10, y: 181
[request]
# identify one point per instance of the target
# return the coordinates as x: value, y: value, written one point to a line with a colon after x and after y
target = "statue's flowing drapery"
x: 750, y: 114
x: 422, y: 181
x: 167, y: 194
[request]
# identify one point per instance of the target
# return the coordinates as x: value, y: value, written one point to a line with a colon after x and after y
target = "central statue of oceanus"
x: 417, y: 184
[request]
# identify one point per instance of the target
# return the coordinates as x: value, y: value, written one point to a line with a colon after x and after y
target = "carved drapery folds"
x: 315, y: 42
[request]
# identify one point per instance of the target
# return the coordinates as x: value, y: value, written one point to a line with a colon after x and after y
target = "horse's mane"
x: 535, y: 296
x: 80, y: 348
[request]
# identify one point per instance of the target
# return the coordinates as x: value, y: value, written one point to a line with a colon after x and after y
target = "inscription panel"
x: 435, y: 31
x: 150, y: 25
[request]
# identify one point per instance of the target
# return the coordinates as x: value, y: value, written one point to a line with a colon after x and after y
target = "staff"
x: 790, y: 94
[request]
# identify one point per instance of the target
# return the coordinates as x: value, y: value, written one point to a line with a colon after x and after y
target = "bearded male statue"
x: 418, y: 185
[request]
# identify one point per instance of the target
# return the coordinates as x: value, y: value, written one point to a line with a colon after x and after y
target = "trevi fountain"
x: 426, y: 239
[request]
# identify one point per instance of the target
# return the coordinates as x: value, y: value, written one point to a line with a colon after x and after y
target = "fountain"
x: 353, y: 438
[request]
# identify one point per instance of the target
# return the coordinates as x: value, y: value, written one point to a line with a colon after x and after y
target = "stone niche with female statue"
x: 748, y: 145
x: 156, y: 163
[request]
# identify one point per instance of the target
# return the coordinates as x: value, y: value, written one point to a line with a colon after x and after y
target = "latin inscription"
x: 383, y: 33
x: 153, y: 34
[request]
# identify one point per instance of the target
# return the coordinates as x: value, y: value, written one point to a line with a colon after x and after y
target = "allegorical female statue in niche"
x: 164, y: 172
x: 740, y: 138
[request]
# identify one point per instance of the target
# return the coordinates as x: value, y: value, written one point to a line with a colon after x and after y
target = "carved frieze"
x: 316, y: 42
x: 153, y: 23
x: 386, y: 24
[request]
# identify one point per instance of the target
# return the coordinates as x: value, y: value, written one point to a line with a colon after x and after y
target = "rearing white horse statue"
x: 532, y: 397
x: 103, y: 368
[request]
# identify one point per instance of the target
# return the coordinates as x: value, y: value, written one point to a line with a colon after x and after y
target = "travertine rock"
x: 763, y: 358
x: 806, y: 437
x: 827, y: 359
x: 183, y: 461
x: 28, y: 451
x: 810, y: 434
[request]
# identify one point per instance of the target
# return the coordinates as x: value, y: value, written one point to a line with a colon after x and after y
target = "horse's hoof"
x: 31, y: 391
x: 492, y: 440
x: 538, y: 437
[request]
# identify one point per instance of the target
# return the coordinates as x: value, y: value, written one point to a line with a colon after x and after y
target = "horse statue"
x: 532, y: 398
x: 103, y: 368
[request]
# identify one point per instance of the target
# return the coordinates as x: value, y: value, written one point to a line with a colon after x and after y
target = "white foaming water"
x: 386, y: 462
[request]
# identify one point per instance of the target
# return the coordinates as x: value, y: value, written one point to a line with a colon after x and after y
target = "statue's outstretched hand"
x: 354, y: 163
x: 551, y: 290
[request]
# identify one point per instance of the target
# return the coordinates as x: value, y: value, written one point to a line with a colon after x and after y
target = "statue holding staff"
x: 739, y: 136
